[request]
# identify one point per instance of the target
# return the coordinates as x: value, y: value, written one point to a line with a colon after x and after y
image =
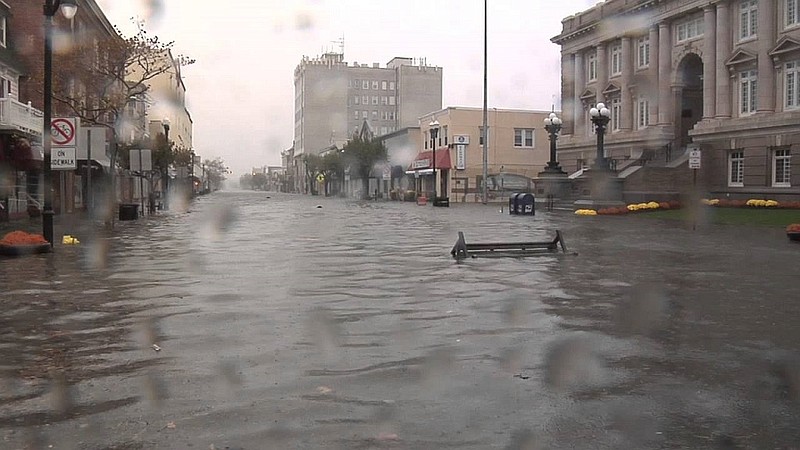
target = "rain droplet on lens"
x: 325, y: 332
x: 511, y: 360
x: 438, y: 365
x: 148, y: 333
x: 644, y: 311
x: 60, y: 392
x: 787, y: 372
x: 304, y: 21
x: 231, y: 373
x: 155, y: 389
x: 523, y: 440
x: 97, y: 253
x: 220, y: 220
x: 572, y: 363
x: 515, y: 313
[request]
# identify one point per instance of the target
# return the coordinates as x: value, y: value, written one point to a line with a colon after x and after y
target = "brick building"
x: 722, y: 75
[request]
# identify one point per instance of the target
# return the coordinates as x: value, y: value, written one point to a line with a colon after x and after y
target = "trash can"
x: 128, y: 211
x: 441, y: 201
x: 512, y: 203
x: 525, y: 204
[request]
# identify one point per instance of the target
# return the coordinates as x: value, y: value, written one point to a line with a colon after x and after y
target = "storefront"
x: 20, y: 170
x: 423, y: 172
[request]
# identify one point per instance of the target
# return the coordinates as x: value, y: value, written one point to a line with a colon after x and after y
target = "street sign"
x: 387, y: 173
x: 461, y: 139
x: 461, y: 156
x: 63, y: 159
x: 63, y: 131
x: 320, y: 178
x: 694, y: 158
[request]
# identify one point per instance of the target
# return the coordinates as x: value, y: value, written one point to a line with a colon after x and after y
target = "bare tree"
x: 99, y: 78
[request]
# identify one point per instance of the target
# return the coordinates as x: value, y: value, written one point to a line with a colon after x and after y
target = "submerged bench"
x: 462, y: 250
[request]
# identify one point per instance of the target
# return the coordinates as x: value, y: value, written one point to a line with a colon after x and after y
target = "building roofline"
x: 474, y: 108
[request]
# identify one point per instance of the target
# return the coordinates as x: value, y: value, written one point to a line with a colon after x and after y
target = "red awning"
x: 423, y: 160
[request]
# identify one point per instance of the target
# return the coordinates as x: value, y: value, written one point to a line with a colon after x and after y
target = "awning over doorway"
x: 423, y: 160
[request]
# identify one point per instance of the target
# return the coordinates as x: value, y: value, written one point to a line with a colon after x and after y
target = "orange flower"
x: 22, y: 238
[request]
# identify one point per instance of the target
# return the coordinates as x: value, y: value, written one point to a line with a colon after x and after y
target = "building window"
x: 782, y: 163
x: 616, y: 114
x: 365, y: 99
x: 3, y: 31
x: 355, y: 115
x: 523, y: 137
x: 375, y: 85
x: 364, y: 114
x: 365, y: 84
x: 391, y: 100
x: 374, y: 99
x: 355, y: 84
x: 444, y: 132
x: 480, y: 135
x: 384, y: 130
x: 792, y: 70
x: 5, y: 88
x: 391, y: 85
x: 792, y: 16
x: 736, y: 169
x: 384, y: 100
x: 643, y: 54
x: 374, y: 114
x: 592, y: 66
x: 426, y: 140
x: 616, y: 59
x: 357, y: 100
x: 747, y: 92
x: 642, y: 113
x: 689, y: 29
x: 383, y: 85
x: 748, y: 19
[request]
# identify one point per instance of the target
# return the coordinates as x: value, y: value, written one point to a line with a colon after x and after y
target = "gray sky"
x: 240, y: 91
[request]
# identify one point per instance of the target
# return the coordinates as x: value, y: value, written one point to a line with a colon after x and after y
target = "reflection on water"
x: 265, y: 322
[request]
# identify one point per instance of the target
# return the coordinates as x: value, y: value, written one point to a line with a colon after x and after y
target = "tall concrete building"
x: 718, y: 75
x: 333, y: 98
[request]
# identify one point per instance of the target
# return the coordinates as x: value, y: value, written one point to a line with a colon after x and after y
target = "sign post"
x: 695, y: 157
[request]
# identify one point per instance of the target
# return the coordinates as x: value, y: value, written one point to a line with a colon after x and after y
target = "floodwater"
x: 259, y: 321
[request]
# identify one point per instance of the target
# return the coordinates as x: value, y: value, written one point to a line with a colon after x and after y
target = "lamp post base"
x: 603, y: 189
x: 47, y: 225
x: 553, y: 168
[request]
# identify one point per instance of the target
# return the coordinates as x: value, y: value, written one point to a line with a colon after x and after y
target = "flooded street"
x: 259, y: 321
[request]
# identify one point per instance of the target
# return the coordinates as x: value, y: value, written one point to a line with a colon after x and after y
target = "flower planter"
x: 20, y: 250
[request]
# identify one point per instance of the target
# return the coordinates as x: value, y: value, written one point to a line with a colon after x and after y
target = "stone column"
x: 766, y: 69
x: 664, y: 71
x: 567, y: 91
x: 602, y: 71
x: 723, y: 51
x: 626, y: 122
x: 652, y: 73
x: 709, y: 62
x: 580, y: 84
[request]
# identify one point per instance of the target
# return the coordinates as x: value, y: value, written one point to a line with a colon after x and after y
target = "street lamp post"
x: 165, y: 184
x: 434, y: 126
x: 68, y: 9
x: 600, y: 116
x: 552, y: 124
x: 191, y: 174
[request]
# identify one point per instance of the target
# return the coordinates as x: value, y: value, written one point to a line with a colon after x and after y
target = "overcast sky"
x: 240, y: 92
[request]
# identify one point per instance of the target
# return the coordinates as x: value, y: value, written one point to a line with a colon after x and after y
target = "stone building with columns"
x: 721, y: 75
